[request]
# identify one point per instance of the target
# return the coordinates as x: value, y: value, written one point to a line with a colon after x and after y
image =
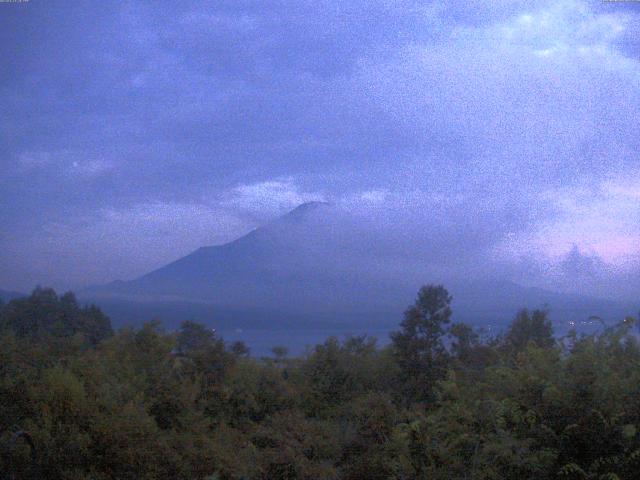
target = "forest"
x: 440, y: 400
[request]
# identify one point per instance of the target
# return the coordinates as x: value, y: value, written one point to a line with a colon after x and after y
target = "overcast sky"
x: 132, y: 133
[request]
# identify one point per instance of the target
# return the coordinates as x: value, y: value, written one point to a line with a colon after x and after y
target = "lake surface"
x: 297, y: 340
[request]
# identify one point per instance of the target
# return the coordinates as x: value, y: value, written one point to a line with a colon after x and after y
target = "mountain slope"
x: 282, y: 265
x: 307, y: 266
x: 7, y: 295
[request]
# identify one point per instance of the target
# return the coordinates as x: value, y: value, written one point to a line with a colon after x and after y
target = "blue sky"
x: 505, y: 135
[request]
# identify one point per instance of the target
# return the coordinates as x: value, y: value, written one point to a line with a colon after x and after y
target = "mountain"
x: 309, y: 267
x: 7, y: 295
x: 292, y: 264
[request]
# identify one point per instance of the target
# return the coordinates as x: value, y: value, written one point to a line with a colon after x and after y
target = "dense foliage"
x: 439, y: 402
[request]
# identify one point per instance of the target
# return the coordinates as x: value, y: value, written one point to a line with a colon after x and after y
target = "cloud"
x: 577, y: 264
x: 591, y: 243
x: 33, y: 160
x: 268, y: 198
x: 64, y: 164
x: 127, y: 241
x: 601, y: 220
x: 564, y: 28
x: 376, y: 198
x: 118, y: 243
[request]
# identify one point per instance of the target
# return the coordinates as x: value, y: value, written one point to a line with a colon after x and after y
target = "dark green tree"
x: 280, y: 353
x: 43, y: 314
x: 240, y: 349
x: 194, y: 337
x: 418, y: 347
x: 528, y: 328
x: 464, y: 341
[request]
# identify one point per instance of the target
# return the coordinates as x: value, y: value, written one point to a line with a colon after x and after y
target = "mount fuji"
x: 310, y: 268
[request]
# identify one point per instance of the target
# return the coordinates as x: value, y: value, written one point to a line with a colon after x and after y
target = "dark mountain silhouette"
x: 8, y: 295
x: 293, y: 263
x: 309, y: 267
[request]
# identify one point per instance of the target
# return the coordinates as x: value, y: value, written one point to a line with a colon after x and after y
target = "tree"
x: 240, y: 349
x: 194, y: 337
x: 280, y: 353
x: 43, y: 314
x: 418, y: 346
x: 372, y: 452
x: 535, y: 328
x: 464, y: 341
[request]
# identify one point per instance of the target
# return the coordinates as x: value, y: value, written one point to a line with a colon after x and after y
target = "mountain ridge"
x: 8, y: 295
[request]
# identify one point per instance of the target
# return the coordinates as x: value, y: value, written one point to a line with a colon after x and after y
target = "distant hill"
x: 307, y: 267
x: 7, y: 295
